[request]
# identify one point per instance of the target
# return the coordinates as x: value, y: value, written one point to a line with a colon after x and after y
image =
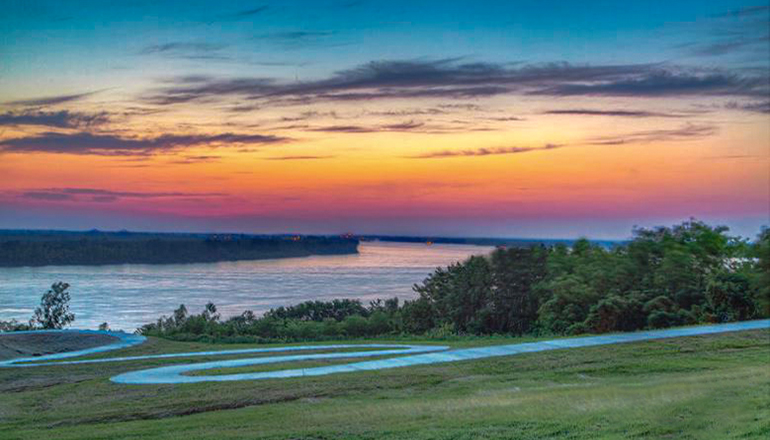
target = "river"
x: 127, y: 296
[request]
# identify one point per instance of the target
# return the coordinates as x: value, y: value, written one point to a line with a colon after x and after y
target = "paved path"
x: 407, y: 355
x: 125, y: 340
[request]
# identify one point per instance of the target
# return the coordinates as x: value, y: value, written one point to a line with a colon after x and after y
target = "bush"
x: 616, y: 313
x: 355, y: 326
x: 730, y: 297
x: 14, y: 326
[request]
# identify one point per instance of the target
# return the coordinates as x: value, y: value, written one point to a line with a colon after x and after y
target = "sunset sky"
x: 507, y: 119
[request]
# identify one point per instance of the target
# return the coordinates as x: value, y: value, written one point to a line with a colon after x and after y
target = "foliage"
x: 53, y: 311
x: 685, y: 274
x: 14, y: 326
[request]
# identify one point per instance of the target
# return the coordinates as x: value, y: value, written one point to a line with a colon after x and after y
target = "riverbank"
x: 98, y: 248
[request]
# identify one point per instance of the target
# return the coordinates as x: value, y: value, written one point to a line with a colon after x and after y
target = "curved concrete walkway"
x: 412, y: 355
x: 125, y: 340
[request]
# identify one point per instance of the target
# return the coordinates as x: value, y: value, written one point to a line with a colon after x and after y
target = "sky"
x: 545, y: 119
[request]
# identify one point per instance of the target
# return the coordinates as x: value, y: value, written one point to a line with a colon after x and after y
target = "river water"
x: 127, y: 296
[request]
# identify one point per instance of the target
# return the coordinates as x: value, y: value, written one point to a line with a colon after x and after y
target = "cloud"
x: 299, y: 157
x: 251, y: 12
x: 621, y: 113
x: 144, y: 195
x: 344, y: 129
x: 106, y: 144
x: 409, y: 112
x: 663, y: 84
x: 309, y: 115
x: 103, y: 195
x: 746, y: 11
x: 758, y: 107
x: 484, y: 152
x: 60, y: 119
x: 46, y: 195
x: 410, y: 126
x: 291, y: 40
x: 404, y: 126
x: 506, y: 119
x: 683, y: 133
x: 740, y: 32
x: 729, y: 46
x: 182, y: 47
x: 188, y: 160
x: 240, y: 15
x: 52, y: 100
x: 188, y: 51
x: 451, y: 78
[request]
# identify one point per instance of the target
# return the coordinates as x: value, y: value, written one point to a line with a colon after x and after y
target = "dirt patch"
x: 37, y: 344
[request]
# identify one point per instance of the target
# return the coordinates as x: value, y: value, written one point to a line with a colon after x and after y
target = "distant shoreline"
x: 97, y: 248
x: 481, y: 241
x: 38, y: 248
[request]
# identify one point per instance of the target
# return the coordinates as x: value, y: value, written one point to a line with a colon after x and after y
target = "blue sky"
x: 323, y: 36
x: 579, y: 118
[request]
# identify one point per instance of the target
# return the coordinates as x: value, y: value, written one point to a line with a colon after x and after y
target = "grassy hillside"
x: 705, y: 387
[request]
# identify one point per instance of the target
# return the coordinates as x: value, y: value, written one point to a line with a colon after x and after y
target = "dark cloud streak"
x: 685, y: 132
x: 107, y: 144
x: 663, y: 84
x: 52, y: 100
x: 103, y: 195
x: 449, y: 78
x: 484, y: 152
x: 182, y: 47
x: 299, y: 157
x: 619, y: 113
x: 60, y: 119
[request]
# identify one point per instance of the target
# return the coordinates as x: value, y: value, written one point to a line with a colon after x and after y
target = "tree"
x: 180, y: 315
x: 761, y: 280
x: 210, y: 312
x: 514, y: 304
x: 729, y: 297
x: 616, y: 313
x: 569, y: 300
x: 54, y: 311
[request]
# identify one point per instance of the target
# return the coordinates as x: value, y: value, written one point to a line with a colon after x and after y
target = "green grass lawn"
x: 703, y: 387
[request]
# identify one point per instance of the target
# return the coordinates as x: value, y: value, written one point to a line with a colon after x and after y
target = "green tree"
x: 761, y: 279
x: 729, y: 297
x: 616, y: 313
x: 513, y: 303
x: 569, y: 300
x: 53, y: 311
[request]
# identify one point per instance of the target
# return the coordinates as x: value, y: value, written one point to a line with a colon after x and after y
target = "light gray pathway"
x: 125, y: 340
x: 408, y: 355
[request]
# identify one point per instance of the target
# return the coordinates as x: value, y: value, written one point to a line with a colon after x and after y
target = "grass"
x: 285, y: 366
x: 15, y: 345
x: 704, y: 387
